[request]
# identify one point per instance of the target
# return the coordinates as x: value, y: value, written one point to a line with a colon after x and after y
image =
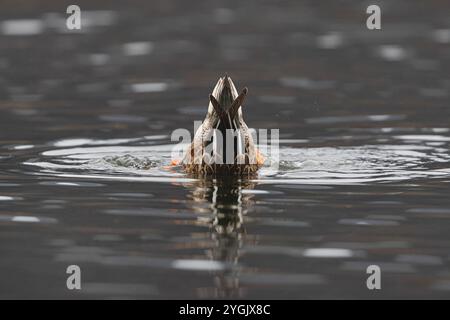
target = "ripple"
x: 282, y: 279
x: 393, y: 267
x: 130, y: 161
x: 70, y: 184
x: 306, y: 83
x: 137, y: 48
x: 419, y: 259
x: 359, y: 118
x: 392, y: 52
x: 331, y: 40
x: 368, y: 222
x: 22, y: 27
x: 27, y: 219
x: 98, y: 18
x: 75, y: 142
x: 23, y: 147
x: 71, y: 142
x: 442, y: 35
x: 198, y: 265
x: 149, y: 87
x: 301, y: 167
x: 119, y: 289
x: 328, y: 253
x: 283, y: 223
x: 428, y: 137
x: 123, y: 118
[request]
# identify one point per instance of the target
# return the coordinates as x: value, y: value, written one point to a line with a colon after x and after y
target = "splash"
x: 415, y: 157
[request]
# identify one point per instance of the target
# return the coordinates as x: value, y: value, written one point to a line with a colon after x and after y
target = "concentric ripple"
x: 407, y: 157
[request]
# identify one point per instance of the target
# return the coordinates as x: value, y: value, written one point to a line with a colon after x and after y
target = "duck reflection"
x: 226, y: 198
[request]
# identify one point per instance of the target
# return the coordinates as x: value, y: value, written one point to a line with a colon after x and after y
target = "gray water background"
x: 85, y: 124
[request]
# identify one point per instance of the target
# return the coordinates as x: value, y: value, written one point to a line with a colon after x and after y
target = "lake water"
x: 85, y: 143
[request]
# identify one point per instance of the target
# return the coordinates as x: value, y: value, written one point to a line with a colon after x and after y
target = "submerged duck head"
x: 223, y: 143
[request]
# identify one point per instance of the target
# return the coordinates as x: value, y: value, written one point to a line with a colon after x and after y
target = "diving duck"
x: 223, y: 144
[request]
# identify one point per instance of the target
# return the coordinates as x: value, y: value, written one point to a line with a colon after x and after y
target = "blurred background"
x: 278, y: 49
x: 86, y: 118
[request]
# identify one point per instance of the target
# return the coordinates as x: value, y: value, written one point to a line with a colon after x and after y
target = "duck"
x: 223, y: 143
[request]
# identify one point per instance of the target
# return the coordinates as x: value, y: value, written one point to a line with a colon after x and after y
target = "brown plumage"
x: 235, y: 153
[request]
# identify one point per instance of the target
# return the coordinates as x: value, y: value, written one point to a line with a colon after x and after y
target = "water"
x: 85, y: 148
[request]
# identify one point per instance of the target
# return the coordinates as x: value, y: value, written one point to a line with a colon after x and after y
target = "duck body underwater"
x: 223, y: 144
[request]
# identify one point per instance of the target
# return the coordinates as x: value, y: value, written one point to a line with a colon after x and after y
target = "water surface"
x: 363, y: 175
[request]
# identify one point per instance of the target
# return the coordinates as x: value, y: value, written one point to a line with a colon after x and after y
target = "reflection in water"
x: 229, y: 205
